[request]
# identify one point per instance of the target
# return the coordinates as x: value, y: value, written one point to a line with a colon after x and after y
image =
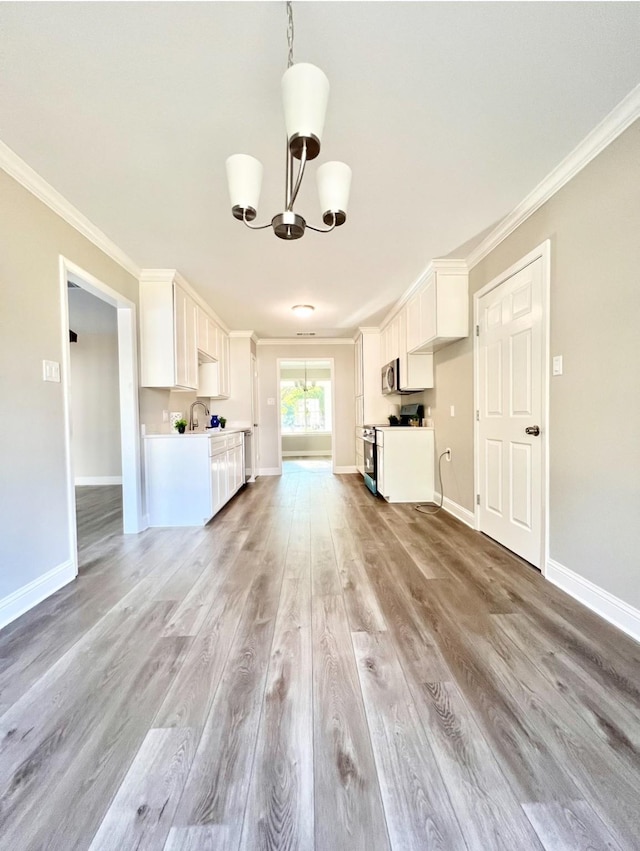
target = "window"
x: 305, y: 397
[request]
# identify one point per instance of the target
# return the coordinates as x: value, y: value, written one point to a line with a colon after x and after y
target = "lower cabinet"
x: 189, y: 478
x: 405, y: 464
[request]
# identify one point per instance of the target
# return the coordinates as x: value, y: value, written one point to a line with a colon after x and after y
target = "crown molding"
x: 615, y: 123
x: 249, y: 335
x: 18, y: 169
x: 316, y: 341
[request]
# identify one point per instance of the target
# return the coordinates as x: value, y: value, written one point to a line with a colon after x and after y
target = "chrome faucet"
x: 193, y: 424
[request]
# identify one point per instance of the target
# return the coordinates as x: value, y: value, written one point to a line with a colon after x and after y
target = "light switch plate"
x: 557, y: 365
x: 271, y: 400
x: 50, y: 371
x: 453, y: 410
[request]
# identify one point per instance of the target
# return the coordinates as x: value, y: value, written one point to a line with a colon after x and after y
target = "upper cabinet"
x: 438, y: 313
x: 390, y: 341
x: 416, y: 370
x: 168, y: 330
x: 371, y: 406
x: 176, y: 333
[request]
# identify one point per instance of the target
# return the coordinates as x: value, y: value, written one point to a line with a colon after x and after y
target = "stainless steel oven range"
x: 369, y: 443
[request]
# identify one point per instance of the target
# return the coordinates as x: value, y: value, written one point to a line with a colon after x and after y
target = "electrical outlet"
x: 448, y: 454
x: 165, y: 416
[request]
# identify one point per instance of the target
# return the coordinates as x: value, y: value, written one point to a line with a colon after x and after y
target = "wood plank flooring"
x: 313, y: 670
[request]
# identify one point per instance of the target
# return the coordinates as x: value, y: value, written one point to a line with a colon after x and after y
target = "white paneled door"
x: 510, y: 361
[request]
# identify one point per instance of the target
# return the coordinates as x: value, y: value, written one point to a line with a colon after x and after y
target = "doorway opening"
x: 100, y: 387
x: 306, y: 422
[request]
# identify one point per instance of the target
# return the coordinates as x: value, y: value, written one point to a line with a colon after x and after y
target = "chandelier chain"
x: 290, y: 33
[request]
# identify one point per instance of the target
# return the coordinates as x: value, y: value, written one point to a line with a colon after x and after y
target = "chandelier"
x: 305, y: 91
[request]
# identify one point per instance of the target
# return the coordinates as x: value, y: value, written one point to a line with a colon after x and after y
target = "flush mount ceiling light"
x: 305, y: 91
x: 303, y: 310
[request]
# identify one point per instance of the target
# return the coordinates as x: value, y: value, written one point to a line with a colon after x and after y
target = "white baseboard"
x: 340, y: 470
x: 306, y: 453
x: 270, y: 471
x: 35, y: 592
x: 457, y: 511
x: 83, y: 481
x: 608, y: 606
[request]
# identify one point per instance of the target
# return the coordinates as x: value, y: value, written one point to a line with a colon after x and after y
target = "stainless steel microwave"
x: 391, y: 377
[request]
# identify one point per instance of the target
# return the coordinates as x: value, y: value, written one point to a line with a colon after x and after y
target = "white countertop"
x: 210, y: 432
x: 403, y: 428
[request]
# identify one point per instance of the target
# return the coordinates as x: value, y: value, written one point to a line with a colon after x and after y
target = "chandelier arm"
x: 296, y: 188
x: 253, y: 227
x: 289, y: 178
x: 325, y: 230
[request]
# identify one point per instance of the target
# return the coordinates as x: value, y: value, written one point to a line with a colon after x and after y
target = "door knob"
x: 534, y: 430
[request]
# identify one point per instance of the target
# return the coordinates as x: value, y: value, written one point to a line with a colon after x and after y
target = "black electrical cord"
x: 423, y: 508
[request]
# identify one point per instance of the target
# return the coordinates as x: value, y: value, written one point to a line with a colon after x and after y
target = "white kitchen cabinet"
x: 190, y: 477
x: 405, y: 458
x: 438, y: 313
x: 168, y: 332
x: 213, y: 376
x: 359, y: 453
x: 371, y: 406
x: 390, y: 342
x: 208, y: 334
x: 416, y: 370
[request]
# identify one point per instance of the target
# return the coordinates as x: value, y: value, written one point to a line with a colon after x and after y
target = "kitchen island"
x: 190, y: 477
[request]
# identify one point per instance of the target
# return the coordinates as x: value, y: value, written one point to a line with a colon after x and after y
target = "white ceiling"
x: 448, y: 113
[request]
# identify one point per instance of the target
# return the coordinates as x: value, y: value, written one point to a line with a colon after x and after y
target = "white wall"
x: 344, y: 391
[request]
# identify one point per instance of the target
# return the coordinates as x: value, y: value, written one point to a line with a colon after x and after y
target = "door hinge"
x: 477, y: 499
x: 478, y: 416
x: 477, y: 330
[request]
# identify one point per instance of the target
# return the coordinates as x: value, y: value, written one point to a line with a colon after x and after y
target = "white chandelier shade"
x: 334, y: 184
x: 244, y: 177
x: 305, y: 94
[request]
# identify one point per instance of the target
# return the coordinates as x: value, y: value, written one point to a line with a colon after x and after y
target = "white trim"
x: 456, y: 510
x: 133, y: 520
x: 615, y: 123
x: 306, y: 341
x: 84, y: 481
x: 542, y: 252
x: 338, y: 471
x: 603, y: 603
x: 25, y: 598
x: 269, y: 471
x: 18, y: 169
x: 291, y: 453
x: 243, y: 334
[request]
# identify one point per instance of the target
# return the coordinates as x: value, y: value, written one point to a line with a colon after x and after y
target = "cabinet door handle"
x: 534, y: 430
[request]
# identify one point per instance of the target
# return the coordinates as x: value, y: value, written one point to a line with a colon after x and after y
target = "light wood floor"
x: 318, y: 670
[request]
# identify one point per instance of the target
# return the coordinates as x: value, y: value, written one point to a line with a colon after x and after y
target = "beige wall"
x: 593, y: 224
x: 300, y: 444
x: 34, y: 514
x: 344, y: 390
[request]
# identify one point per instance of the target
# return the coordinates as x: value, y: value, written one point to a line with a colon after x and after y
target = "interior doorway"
x: 511, y: 435
x: 306, y: 421
x: 126, y: 417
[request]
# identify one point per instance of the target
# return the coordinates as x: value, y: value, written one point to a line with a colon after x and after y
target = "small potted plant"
x: 223, y: 422
x: 180, y: 425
